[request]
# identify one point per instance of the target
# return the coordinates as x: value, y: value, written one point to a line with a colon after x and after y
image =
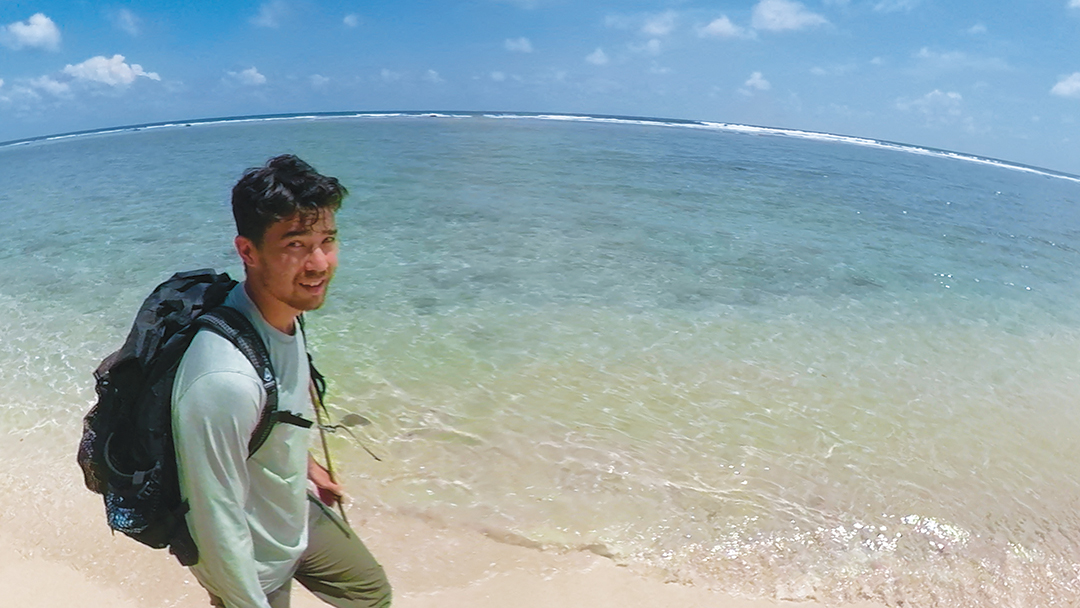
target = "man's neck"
x: 278, y: 315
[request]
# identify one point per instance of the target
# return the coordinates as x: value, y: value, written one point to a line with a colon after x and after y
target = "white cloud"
x: 619, y: 22
x: 926, y: 53
x: 388, y: 75
x: 979, y: 28
x: 319, y: 81
x: 833, y: 70
x: 351, y: 20
x: 498, y: 76
x: 271, y: 14
x: 956, y: 60
x: 657, y: 25
x: 782, y: 15
x: 50, y: 85
x: 597, y: 57
x: 433, y: 77
x: 936, y: 106
x: 660, y: 25
x: 895, y: 6
x: 519, y: 45
x: 249, y: 77
x: 757, y: 82
x: 36, y: 32
x: 126, y: 21
x: 1068, y: 86
x: 652, y: 47
x: 112, y: 71
x: 1074, y: 3
x: 721, y: 28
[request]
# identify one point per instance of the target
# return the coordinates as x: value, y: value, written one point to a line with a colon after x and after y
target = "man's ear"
x: 247, y: 250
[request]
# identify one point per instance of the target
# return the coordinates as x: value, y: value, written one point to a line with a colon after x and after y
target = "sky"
x: 992, y: 78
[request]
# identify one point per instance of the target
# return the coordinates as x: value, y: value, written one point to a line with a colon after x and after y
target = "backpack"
x: 126, y: 452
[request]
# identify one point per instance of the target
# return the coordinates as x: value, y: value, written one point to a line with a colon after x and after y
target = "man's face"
x: 293, y: 265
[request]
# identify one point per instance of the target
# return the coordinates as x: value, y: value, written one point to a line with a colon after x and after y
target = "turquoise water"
x: 775, y: 363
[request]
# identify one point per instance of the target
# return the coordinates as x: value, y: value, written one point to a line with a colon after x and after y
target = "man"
x: 253, y: 520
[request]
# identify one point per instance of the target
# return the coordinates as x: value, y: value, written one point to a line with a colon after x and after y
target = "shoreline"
x: 57, y: 552
x: 428, y: 566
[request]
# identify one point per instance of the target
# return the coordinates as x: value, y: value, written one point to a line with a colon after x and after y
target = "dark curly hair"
x: 282, y: 188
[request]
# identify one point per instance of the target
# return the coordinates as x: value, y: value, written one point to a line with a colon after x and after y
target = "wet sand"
x: 55, y: 551
x: 479, y: 572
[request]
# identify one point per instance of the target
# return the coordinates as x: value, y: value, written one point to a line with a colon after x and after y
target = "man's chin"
x: 308, y: 303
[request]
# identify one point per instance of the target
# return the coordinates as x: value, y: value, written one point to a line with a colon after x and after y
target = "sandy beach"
x: 55, y: 551
x: 483, y: 575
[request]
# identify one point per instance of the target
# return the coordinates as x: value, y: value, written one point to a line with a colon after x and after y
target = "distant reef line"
x: 594, y: 118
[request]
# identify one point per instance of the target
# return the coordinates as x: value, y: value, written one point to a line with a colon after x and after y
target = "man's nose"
x: 318, y: 261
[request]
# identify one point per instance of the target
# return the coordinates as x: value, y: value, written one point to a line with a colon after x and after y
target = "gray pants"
x: 336, y: 566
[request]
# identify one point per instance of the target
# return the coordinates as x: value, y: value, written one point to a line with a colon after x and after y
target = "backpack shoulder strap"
x: 234, y: 326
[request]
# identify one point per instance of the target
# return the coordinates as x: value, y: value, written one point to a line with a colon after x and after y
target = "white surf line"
x: 811, y: 135
x: 689, y: 124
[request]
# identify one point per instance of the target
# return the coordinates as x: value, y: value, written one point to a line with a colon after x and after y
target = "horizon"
x: 992, y: 79
x: 596, y: 118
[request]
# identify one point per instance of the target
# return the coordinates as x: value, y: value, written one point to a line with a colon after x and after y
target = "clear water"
x: 772, y: 364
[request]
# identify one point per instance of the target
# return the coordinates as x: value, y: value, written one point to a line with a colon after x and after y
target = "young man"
x: 253, y: 520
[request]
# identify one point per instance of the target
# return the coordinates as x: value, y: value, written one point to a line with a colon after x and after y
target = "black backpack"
x: 126, y: 452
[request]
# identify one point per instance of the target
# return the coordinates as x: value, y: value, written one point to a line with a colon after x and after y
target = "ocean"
x: 774, y: 363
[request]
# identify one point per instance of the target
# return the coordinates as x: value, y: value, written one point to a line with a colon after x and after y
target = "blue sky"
x: 992, y: 78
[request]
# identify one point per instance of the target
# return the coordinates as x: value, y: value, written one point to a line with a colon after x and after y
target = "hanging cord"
x: 320, y: 413
x: 347, y: 421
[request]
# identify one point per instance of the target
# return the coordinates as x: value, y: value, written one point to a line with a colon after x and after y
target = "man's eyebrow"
x: 306, y: 231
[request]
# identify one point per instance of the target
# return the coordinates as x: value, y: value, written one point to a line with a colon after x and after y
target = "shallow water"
x: 773, y: 364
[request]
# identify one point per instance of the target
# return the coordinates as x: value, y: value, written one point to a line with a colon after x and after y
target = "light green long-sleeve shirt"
x: 248, y: 517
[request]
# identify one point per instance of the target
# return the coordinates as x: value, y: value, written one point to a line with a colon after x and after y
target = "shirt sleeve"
x: 213, y: 419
